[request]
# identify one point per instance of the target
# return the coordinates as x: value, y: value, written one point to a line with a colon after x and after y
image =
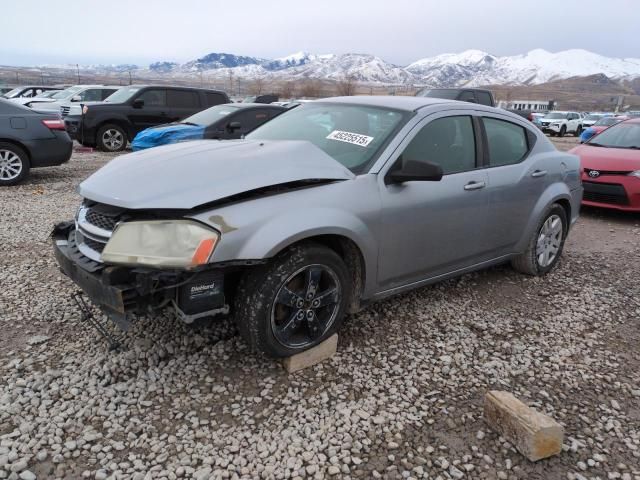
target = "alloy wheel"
x: 10, y: 165
x: 305, y: 306
x: 112, y: 139
x: 549, y: 241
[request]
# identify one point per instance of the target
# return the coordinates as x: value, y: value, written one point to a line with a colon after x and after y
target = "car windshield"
x: 210, y: 115
x: 593, y: 117
x: 622, y: 135
x: 444, y: 93
x: 47, y: 94
x: 122, y: 95
x: 607, y: 121
x: 69, y: 92
x: 351, y: 134
x: 555, y: 116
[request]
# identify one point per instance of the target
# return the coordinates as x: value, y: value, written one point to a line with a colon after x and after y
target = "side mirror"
x: 138, y: 103
x: 233, y: 126
x: 413, y: 170
x: 76, y: 98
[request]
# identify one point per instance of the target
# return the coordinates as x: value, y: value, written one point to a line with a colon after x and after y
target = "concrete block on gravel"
x: 534, y: 434
x: 313, y: 356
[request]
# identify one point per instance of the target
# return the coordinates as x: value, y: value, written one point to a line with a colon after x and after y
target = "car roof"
x: 255, y: 105
x: 174, y: 86
x: 410, y: 104
x: 632, y: 120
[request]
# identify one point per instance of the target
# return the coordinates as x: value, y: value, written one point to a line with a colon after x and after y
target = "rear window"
x: 182, y: 99
x: 507, y: 142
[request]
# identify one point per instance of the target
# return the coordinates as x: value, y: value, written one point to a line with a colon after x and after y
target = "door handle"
x: 474, y: 185
x: 539, y: 173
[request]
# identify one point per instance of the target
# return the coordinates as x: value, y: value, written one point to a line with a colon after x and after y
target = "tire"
x: 529, y: 262
x: 111, y: 138
x: 578, y: 131
x: 14, y: 164
x: 562, y: 131
x: 268, y: 315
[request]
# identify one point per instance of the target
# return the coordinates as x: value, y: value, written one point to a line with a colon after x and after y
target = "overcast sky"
x: 400, y: 31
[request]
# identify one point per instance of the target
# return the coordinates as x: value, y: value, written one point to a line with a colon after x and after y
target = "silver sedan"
x: 330, y: 206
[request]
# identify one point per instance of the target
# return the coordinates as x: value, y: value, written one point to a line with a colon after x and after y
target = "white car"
x: 592, y: 118
x: 560, y: 123
x: 70, y: 98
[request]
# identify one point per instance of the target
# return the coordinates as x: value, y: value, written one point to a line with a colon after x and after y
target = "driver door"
x: 430, y: 228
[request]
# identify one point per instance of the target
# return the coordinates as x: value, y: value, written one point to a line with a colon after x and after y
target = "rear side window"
x: 507, y: 142
x: 213, y: 98
x: 182, y: 99
x: 447, y: 141
x: 484, y: 98
x: 154, y: 98
x: 106, y: 92
x: 91, y: 95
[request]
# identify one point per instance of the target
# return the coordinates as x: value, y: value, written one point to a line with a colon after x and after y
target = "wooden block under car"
x: 534, y: 434
x: 313, y: 356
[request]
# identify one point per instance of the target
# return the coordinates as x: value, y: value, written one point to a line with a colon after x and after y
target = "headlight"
x: 635, y: 174
x: 74, y: 110
x: 85, y: 109
x: 161, y: 243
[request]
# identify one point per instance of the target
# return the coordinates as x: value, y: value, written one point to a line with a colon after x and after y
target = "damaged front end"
x: 124, y: 292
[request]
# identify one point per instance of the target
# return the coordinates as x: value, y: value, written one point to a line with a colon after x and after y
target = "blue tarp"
x: 164, y: 135
x: 587, y: 133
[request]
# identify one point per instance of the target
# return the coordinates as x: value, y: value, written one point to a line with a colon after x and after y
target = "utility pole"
x: 231, y: 81
x: 78, y: 71
x: 130, y: 80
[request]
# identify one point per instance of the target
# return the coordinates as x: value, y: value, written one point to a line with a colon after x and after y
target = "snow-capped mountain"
x: 469, y: 68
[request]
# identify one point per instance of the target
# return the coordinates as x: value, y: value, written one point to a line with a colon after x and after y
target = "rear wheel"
x: 545, y: 246
x: 14, y: 164
x: 293, y: 303
x: 111, y: 138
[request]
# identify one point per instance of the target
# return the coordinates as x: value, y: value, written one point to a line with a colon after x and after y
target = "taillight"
x: 54, y: 124
x: 530, y: 117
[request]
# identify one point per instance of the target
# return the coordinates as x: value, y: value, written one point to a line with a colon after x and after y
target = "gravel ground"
x: 401, y: 399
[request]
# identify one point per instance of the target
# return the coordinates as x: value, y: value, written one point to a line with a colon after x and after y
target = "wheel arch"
x: 17, y: 143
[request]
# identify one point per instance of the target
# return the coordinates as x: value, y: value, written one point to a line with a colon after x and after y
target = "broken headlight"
x: 161, y: 243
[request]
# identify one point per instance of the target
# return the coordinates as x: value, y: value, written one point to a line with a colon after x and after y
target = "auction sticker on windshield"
x: 348, y: 137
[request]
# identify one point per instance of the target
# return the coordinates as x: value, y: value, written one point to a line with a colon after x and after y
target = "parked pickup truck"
x: 111, y: 124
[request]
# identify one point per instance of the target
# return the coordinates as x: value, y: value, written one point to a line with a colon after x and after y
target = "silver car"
x: 330, y: 206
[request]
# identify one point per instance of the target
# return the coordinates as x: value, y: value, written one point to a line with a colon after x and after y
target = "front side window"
x: 351, y: 134
x: 467, y: 96
x: 106, y: 93
x: 182, y: 99
x: 507, y: 142
x: 213, y: 98
x: 484, y: 98
x: 154, y: 98
x: 448, y: 142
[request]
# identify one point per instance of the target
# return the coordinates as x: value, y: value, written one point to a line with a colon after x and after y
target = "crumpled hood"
x: 166, y: 134
x: 186, y: 175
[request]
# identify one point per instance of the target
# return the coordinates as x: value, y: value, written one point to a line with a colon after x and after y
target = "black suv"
x: 109, y: 125
x: 473, y: 95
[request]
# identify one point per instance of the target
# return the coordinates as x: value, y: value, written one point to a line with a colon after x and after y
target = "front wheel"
x: 14, y: 164
x: 545, y: 246
x: 111, y: 138
x: 579, y: 131
x: 562, y: 131
x: 293, y: 303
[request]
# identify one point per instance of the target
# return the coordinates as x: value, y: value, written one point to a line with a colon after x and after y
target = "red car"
x: 610, y: 165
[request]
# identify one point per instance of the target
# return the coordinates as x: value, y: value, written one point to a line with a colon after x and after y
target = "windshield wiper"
x: 190, y: 123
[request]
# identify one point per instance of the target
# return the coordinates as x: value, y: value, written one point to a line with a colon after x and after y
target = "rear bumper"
x: 49, y: 152
x: 618, y: 192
